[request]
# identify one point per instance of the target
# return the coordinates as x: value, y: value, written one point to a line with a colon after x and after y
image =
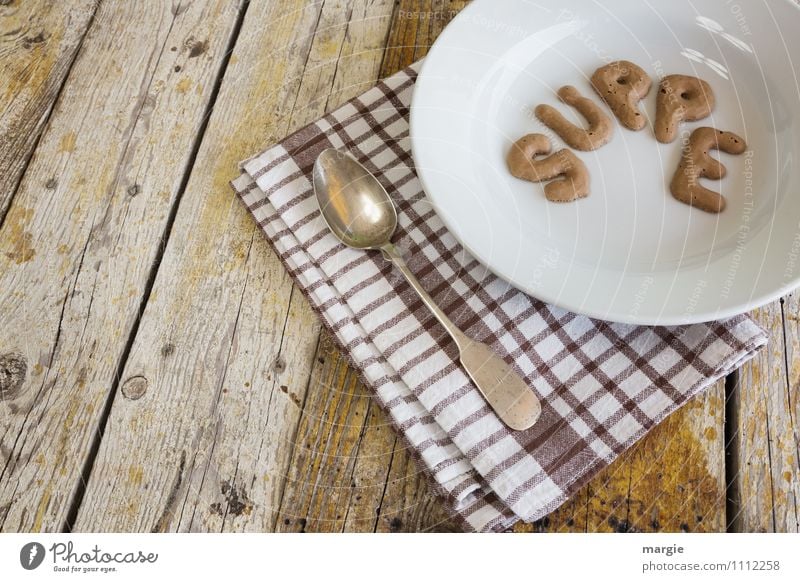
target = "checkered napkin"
x: 602, y: 385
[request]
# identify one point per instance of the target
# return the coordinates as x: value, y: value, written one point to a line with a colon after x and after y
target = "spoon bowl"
x: 355, y: 206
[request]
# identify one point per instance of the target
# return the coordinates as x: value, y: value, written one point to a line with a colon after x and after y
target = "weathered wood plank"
x: 38, y: 43
x: 408, y: 505
x: 416, y: 25
x: 783, y: 421
x: 672, y: 480
x: 243, y: 343
x: 328, y: 482
x: 81, y: 237
x: 350, y: 472
x: 766, y: 445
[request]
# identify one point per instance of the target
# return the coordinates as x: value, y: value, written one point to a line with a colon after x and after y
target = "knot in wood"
x: 135, y: 387
x: 13, y: 371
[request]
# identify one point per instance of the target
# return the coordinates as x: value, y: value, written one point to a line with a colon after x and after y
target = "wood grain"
x: 341, y: 455
x: 784, y: 415
x: 243, y: 339
x: 83, y: 232
x: 766, y: 443
x: 38, y: 43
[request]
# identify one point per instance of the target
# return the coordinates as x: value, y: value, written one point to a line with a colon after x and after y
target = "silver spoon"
x: 360, y: 213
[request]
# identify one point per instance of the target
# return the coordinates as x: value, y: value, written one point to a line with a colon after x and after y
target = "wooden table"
x: 159, y: 371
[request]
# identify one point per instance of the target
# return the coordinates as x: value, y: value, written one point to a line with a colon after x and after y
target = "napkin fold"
x: 602, y: 385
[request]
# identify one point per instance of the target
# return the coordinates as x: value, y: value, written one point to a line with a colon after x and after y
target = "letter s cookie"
x: 521, y: 164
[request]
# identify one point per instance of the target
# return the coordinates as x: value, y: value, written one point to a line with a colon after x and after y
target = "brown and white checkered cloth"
x: 602, y: 385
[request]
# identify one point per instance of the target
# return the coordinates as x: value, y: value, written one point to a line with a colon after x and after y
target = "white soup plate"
x: 629, y: 252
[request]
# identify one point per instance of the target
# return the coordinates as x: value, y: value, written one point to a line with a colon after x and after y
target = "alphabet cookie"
x: 696, y: 163
x: 681, y: 98
x: 600, y: 128
x: 521, y: 164
x: 622, y: 85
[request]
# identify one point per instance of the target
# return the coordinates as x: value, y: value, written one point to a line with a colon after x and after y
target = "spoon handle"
x: 390, y: 254
x: 505, y: 390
